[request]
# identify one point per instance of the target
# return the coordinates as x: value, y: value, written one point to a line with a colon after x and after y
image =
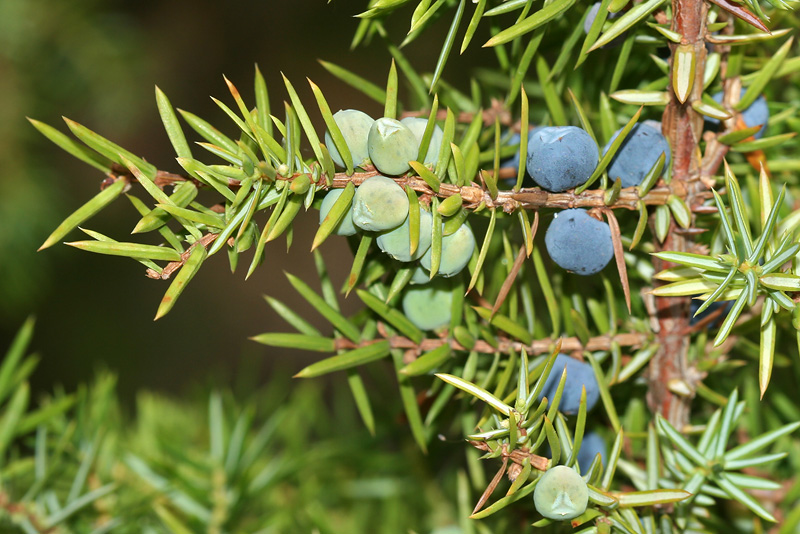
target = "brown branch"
x: 518, y: 456
x: 527, y: 198
x: 692, y: 179
x: 175, y: 265
x: 473, y: 195
x: 683, y: 127
x: 162, y: 178
x: 504, y: 344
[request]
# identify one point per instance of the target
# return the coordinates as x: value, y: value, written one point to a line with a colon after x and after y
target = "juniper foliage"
x: 699, y: 428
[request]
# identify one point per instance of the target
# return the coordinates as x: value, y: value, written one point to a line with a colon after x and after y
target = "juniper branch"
x: 505, y: 345
x: 173, y: 266
x: 683, y: 127
x: 473, y: 195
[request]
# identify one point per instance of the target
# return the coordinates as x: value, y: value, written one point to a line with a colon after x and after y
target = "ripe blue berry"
x: 638, y: 153
x: 428, y: 306
x: 755, y: 114
x: 515, y: 139
x: 561, y: 494
x: 592, y: 445
x: 391, y: 146
x: 578, y: 374
x: 457, y: 249
x: 417, y: 125
x: 345, y: 226
x: 695, y: 305
x: 578, y: 242
x: 354, y: 126
x: 561, y: 157
x: 379, y: 204
x: 589, y: 20
x: 397, y: 243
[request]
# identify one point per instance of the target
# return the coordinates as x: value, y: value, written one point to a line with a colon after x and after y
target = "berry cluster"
x: 564, y: 157
x: 381, y: 206
x: 560, y: 158
x: 387, y: 143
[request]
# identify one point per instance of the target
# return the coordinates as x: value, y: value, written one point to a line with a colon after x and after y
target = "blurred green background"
x: 96, y: 62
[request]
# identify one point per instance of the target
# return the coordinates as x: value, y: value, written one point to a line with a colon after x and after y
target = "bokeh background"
x: 96, y: 62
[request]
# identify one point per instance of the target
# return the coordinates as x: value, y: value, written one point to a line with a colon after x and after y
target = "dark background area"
x: 97, y: 62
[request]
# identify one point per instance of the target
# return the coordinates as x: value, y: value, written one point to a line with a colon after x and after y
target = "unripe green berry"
x: 397, y: 243
x: 428, y: 306
x: 418, y: 125
x: 354, y: 125
x: 457, y: 249
x: 561, y: 494
x: 420, y: 276
x: 345, y: 226
x: 391, y: 146
x: 379, y: 204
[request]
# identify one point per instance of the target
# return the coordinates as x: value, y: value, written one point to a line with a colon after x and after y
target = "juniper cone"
x: 561, y: 494
x: 345, y: 226
x: 638, y: 153
x: 578, y: 242
x: 428, y: 306
x: 579, y: 375
x: 355, y: 126
x: 513, y: 161
x: 561, y: 157
x: 457, y: 249
x: 379, y: 204
x: 755, y: 114
x: 397, y: 243
x: 419, y: 276
x: 592, y: 445
x: 391, y: 146
x: 417, y: 126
